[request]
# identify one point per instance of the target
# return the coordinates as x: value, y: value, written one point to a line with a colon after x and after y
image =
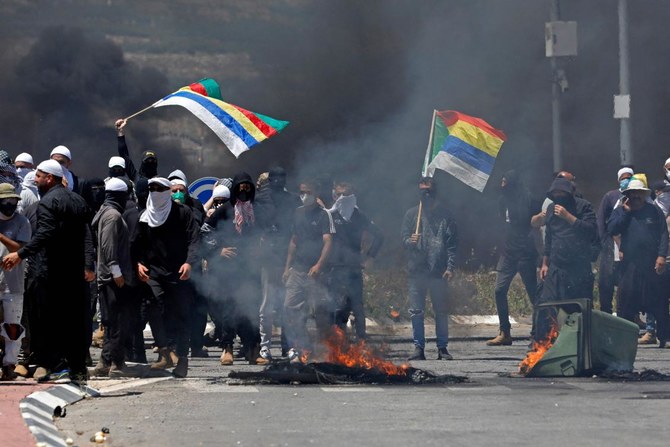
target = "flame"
x: 539, y: 349
x: 357, y: 355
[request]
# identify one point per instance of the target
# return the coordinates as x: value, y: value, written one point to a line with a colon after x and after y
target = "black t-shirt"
x: 309, y: 226
x: 348, y: 238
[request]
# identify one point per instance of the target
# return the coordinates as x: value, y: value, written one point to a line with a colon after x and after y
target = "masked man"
x: 14, y: 233
x: 165, y: 244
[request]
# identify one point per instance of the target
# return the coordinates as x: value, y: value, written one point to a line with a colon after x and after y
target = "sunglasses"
x: 157, y: 188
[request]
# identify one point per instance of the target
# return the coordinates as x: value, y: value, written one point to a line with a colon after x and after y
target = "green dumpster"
x: 588, y: 342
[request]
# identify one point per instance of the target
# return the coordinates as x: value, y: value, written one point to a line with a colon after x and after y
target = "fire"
x: 358, y: 355
x: 538, y: 350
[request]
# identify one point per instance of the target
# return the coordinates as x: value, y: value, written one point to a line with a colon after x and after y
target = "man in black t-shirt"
x: 356, y: 237
x: 308, y: 252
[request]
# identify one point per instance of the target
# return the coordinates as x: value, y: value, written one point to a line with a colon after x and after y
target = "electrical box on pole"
x: 560, y: 39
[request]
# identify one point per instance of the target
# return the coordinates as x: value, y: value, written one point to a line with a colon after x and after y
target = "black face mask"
x: 116, y: 172
x: 565, y: 201
x: 277, y: 183
x: 8, y: 209
x: 243, y: 196
x: 150, y: 169
x: 426, y: 195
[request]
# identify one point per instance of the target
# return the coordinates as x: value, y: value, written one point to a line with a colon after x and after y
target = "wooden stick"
x: 141, y: 111
x: 418, y: 218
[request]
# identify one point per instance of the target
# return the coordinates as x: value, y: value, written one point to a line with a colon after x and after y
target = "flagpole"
x: 425, y: 168
x: 141, y: 111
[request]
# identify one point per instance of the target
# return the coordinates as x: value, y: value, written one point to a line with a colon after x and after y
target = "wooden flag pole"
x: 426, y: 162
x: 141, y: 111
x: 418, y: 218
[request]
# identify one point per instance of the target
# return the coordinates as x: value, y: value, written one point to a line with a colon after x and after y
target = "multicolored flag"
x: 464, y: 146
x: 238, y: 128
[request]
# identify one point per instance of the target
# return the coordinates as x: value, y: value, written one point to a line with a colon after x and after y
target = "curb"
x: 41, y: 407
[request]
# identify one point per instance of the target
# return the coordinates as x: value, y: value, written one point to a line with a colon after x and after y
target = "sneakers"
x: 264, y: 357
x: 294, y: 356
x: 443, y: 354
x: 649, y: 338
x: 503, y: 339
x: 227, y: 355
x: 62, y: 376
x: 418, y: 354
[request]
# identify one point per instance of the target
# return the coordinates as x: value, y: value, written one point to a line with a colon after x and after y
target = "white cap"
x: 160, y: 180
x: 116, y: 184
x: 179, y: 174
x: 623, y: 171
x: 24, y: 157
x: 116, y: 161
x: 221, y: 192
x: 51, y: 167
x: 177, y: 181
x: 61, y: 150
x: 636, y: 185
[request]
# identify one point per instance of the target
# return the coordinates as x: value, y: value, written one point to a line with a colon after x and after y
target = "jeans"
x: 507, y: 269
x: 271, y: 310
x: 306, y: 295
x: 419, y: 285
x: 346, y: 284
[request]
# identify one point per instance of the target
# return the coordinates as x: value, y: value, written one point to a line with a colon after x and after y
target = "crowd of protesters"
x: 137, y: 249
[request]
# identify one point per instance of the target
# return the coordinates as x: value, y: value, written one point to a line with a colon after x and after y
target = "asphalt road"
x: 492, y: 408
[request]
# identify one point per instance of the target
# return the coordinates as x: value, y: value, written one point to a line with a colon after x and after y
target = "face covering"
x: 623, y: 184
x: 7, y: 210
x: 345, y: 205
x: 116, y: 171
x: 179, y: 196
x: 243, y: 196
x: 564, y: 201
x: 23, y: 171
x: 277, y: 183
x: 158, y: 208
x: 150, y: 169
x: 307, y: 199
x: 426, y: 195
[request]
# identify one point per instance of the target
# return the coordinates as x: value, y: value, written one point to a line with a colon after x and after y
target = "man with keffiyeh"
x: 166, y: 244
x: 239, y: 272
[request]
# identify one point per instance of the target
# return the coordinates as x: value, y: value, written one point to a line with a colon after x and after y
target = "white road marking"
x: 124, y: 384
x: 352, y: 389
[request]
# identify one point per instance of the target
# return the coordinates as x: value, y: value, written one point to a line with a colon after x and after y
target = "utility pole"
x: 557, y: 142
x: 622, y: 103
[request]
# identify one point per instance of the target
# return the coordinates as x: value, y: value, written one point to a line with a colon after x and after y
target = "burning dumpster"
x: 582, y: 341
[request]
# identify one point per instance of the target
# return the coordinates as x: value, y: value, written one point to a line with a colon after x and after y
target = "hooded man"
x: 24, y: 164
x: 114, y: 270
x: 431, y: 260
x: 64, y: 157
x: 165, y: 243
x: 14, y: 233
x: 275, y: 207
x: 644, y: 246
x: 149, y: 161
x: 237, y: 270
x: 58, y: 303
x: 518, y: 254
x: 181, y: 194
x: 571, y: 227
